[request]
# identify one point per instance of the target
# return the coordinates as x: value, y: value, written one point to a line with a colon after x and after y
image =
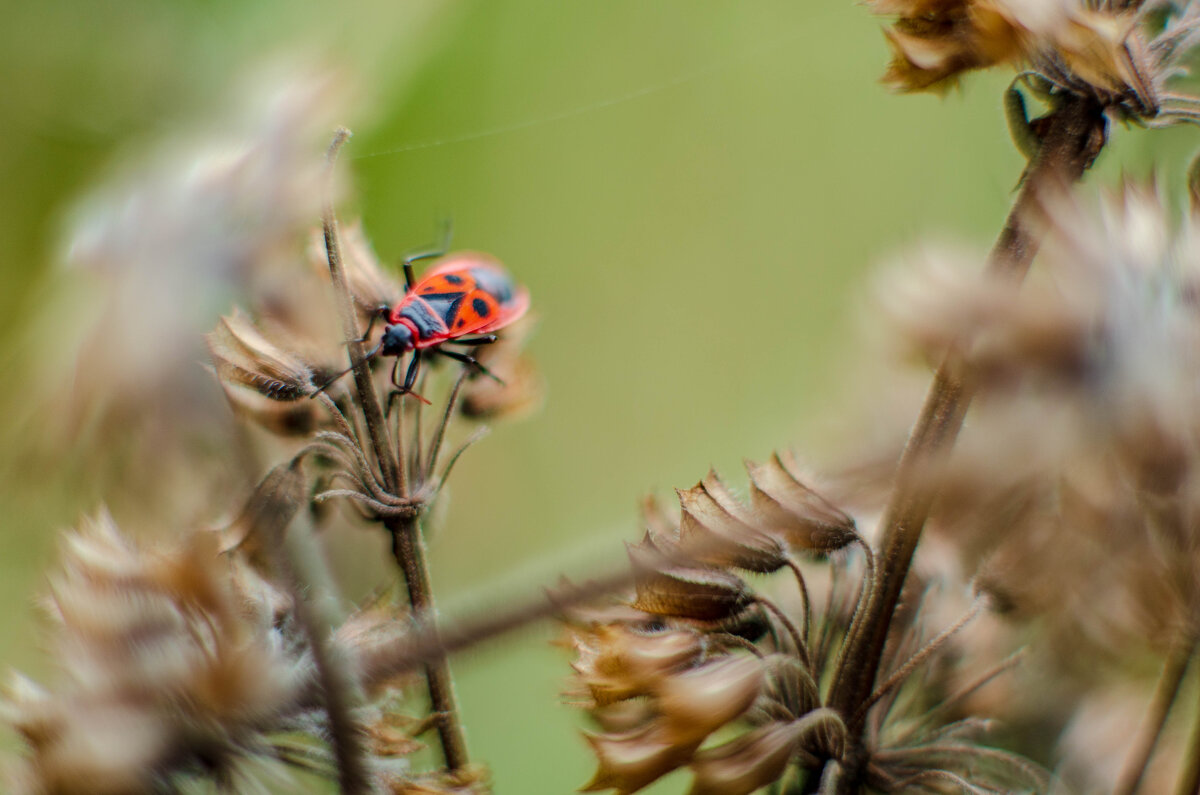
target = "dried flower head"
x: 1076, y: 479
x: 1120, y: 54
x: 175, y: 661
x: 661, y: 674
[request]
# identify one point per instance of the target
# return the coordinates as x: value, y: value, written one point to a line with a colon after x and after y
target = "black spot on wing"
x: 493, y: 282
x: 481, y: 307
x: 453, y: 278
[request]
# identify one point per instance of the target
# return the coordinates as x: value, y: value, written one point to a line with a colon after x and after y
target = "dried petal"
x: 800, y: 516
x: 699, y: 701
x: 693, y: 593
x: 711, y: 534
x: 746, y: 764
x: 617, y: 663
x: 631, y: 761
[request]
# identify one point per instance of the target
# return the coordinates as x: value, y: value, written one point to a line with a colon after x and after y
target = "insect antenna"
x: 338, y: 377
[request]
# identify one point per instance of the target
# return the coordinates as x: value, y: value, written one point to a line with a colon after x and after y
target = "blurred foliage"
x: 693, y: 197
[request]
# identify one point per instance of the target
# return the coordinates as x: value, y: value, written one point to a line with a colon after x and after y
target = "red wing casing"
x: 468, y: 293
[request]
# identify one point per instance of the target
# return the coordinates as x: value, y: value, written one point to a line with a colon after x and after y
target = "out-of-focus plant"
x: 1069, y: 502
x: 788, y: 640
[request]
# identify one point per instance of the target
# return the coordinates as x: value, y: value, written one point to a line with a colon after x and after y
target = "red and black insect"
x: 459, y: 302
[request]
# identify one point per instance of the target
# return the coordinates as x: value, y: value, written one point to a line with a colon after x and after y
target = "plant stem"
x: 1072, y: 140
x: 1165, y: 693
x: 1189, y: 777
x: 339, y: 690
x: 408, y: 547
x: 430, y: 643
x: 299, y: 564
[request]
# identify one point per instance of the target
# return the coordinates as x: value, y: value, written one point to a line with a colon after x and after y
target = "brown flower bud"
x: 691, y: 593
x: 261, y: 380
x: 617, y: 663
x: 712, y: 531
x: 519, y: 389
x: 631, y: 761
x: 699, y: 701
x: 746, y: 764
x: 802, y: 518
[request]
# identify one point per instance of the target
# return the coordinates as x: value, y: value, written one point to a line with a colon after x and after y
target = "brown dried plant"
x: 225, y: 655
x: 759, y: 642
x: 1080, y: 462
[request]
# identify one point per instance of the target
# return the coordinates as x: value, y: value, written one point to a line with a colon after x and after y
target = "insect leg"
x: 473, y: 341
x: 441, y: 248
x: 410, y: 378
x: 379, y: 313
x: 470, y: 361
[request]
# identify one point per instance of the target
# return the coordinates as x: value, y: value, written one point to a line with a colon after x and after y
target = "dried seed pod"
x: 802, y: 518
x: 689, y: 593
x: 633, y: 760
x: 469, y: 780
x: 616, y: 662
x: 746, y: 764
x: 712, y: 533
x: 170, y: 665
x: 697, y: 702
x: 244, y: 357
x: 370, y: 286
x: 1079, y: 47
x: 261, y: 380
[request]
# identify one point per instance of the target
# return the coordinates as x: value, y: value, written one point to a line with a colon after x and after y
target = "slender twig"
x: 1072, y: 140
x: 1165, y: 692
x: 435, y: 446
x: 793, y: 632
x: 806, y: 619
x: 393, y: 475
x: 408, y: 549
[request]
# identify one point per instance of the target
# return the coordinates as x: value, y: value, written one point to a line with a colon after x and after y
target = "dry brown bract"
x: 1120, y: 54
x: 698, y: 669
x: 1077, y: 477
x: 176, y: 660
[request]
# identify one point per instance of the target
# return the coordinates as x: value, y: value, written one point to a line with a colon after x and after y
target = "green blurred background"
x: 694, y: 193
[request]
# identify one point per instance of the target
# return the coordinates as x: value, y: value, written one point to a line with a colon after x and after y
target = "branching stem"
x: 408, y: 547
x: 1072, y: 141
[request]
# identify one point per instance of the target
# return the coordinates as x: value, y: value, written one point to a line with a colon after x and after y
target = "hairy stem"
x: 1165, y: 693
x: 1073, y: 139
x: 408, y: 547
